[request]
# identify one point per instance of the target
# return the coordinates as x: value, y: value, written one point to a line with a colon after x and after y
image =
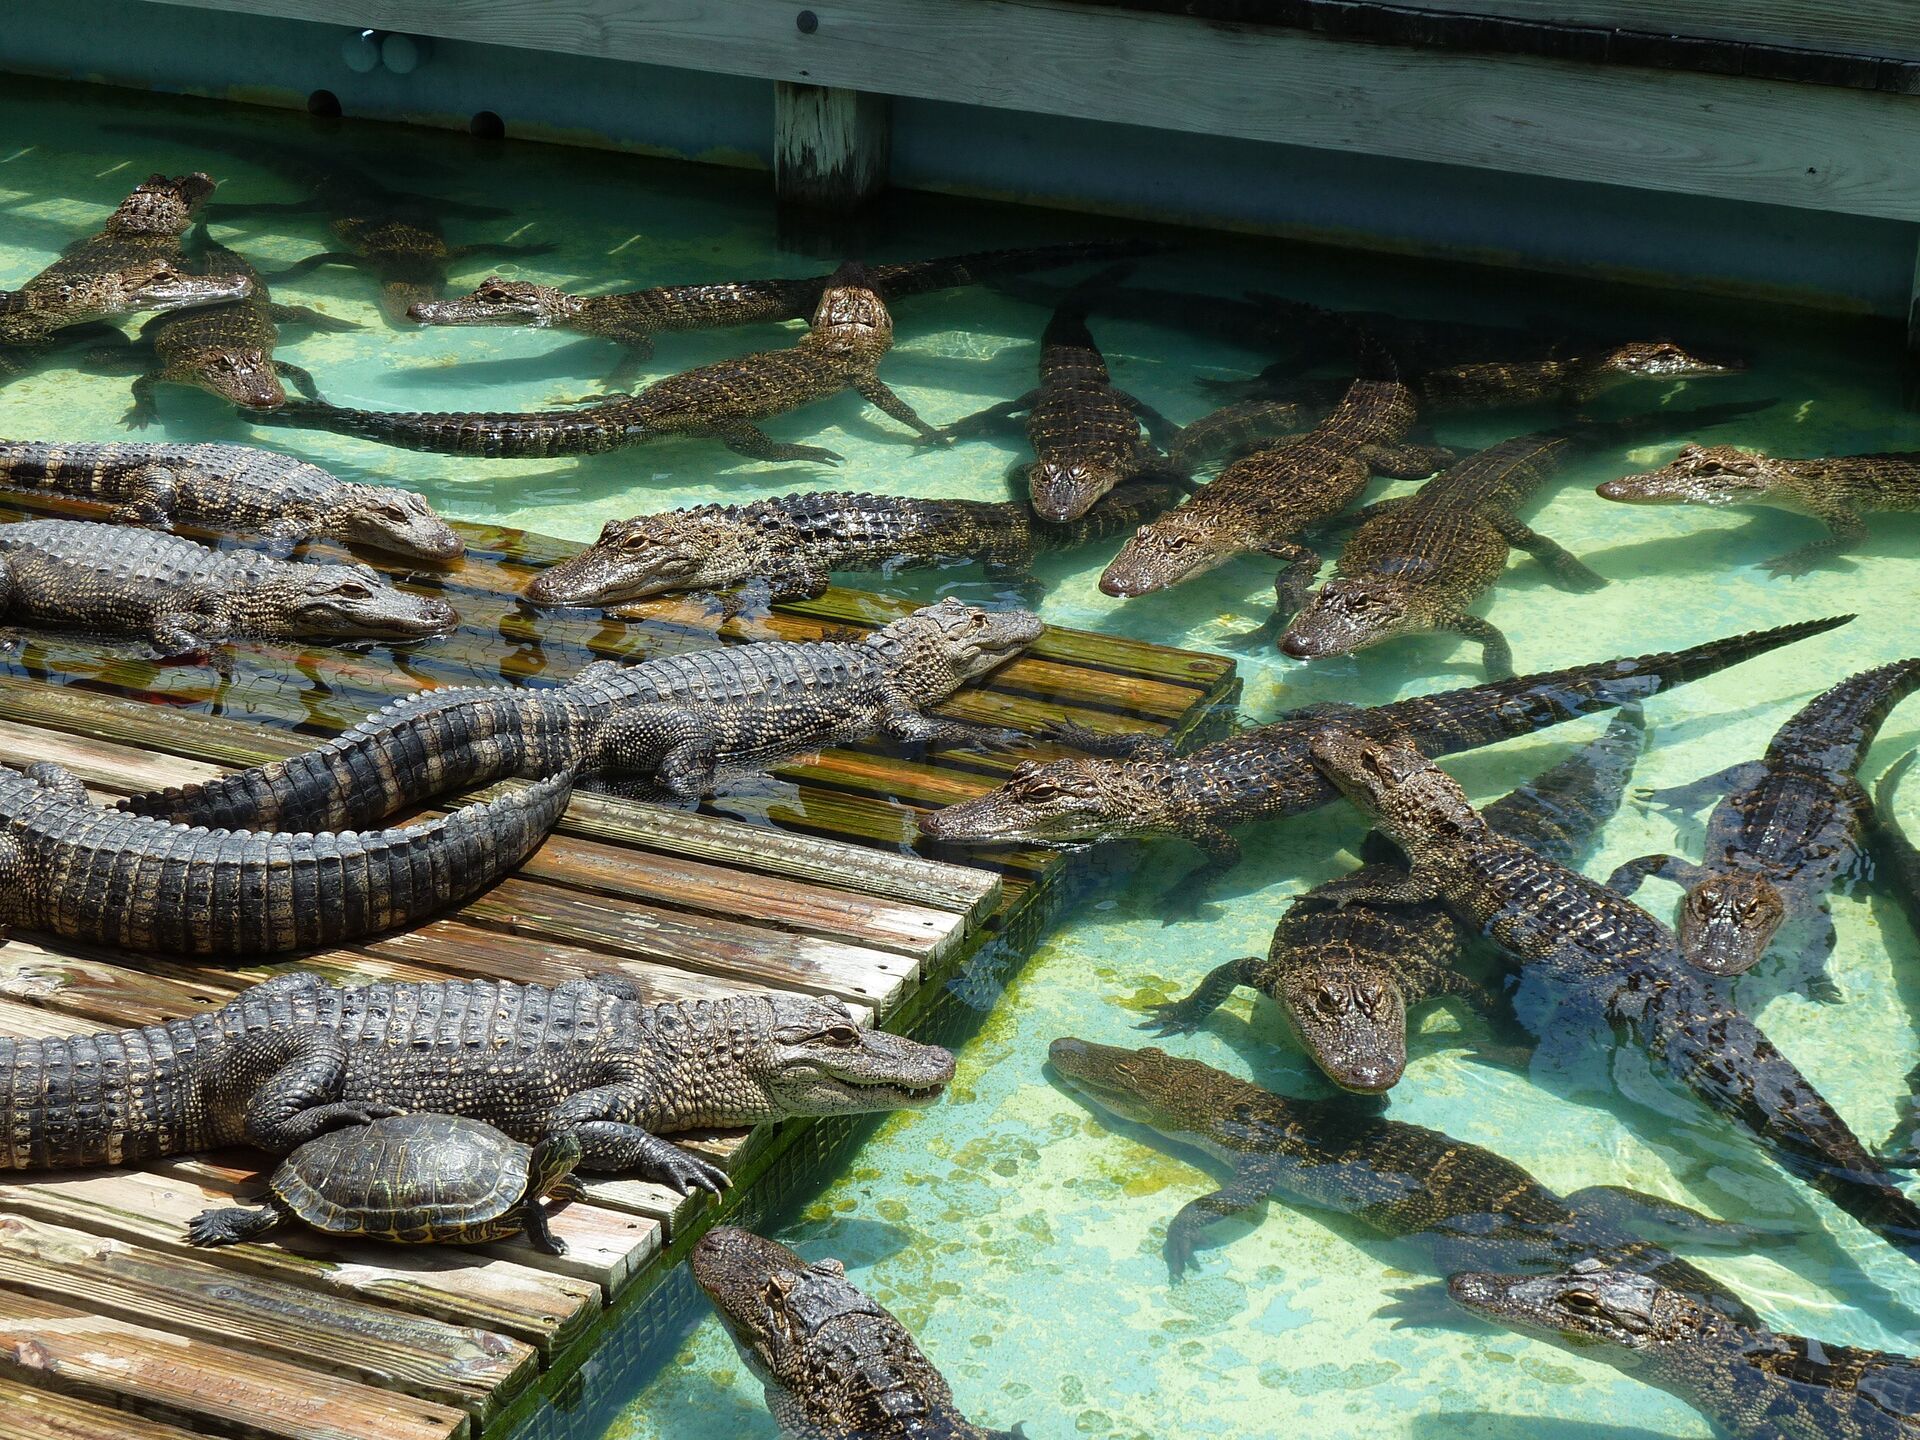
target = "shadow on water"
x: 1486, y: 1425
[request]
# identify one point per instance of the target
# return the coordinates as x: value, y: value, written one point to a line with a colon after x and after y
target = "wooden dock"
x: 112, y: 1327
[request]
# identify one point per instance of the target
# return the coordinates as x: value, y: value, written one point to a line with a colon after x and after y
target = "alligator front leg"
x: 1496, y: 656
x: 302, y: 380
x: 1683, y: 799
x: 183, y: 634
x: 1568, y: 572
x: 876, y: 391
x: 155, y: 489
x: 143, y: 412
x: 1160, y: 429
x: 636, y: 348
x: 1127, y: 745
x: 1413, y: 888
x: 1406, y: 462
x: 903, y: 722
x: 612, y: 1143
x: 314, y: 262
x: 1668, y: 1222
x: 1628, y: 877
x: 751, y: 441
x: 1847, y: 530
x: 994, y: 420
x: 690, y: 769
x: 1248, y: 1190
x: 1188, y: 899
x: 1295, y: 580
x: 1183, y: 1017
x: 312, y: 319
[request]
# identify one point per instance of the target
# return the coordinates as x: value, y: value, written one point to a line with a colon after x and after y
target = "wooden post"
x: 1913, y: 308
x: 830, y: 146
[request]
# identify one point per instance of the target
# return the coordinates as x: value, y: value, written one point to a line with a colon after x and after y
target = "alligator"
x: 788, y: 547
x: 1143, y: 787
x: 850, y: 333
x: 1592, y: 963
x: 392, y: 233
x: 226, y: 350
x: 632, y: 318
x: 1263, y: 501
x: 295, y: 1057
x: 1752, y: 1383
x: 1346, y: 976
x: 683, y: 718
x: 1837, y: 491
x: 1792, y: 825
x: 1235, y: 431
x: 1085, y: 433
x: 72, y: 869
x: 233, y: 488
x: 1462, y: 1206
x: 836, y: 1365
x: 1897, y: 862
x: 108, y: 580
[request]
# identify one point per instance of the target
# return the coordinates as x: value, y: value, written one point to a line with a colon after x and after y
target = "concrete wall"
x: 1847, y: 262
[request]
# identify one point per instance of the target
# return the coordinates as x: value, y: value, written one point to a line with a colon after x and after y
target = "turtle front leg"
x: 533, y: 1219
x: 234, y: 1226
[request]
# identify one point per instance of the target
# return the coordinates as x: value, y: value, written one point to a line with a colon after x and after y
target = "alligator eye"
x: 978, y: 622
x: 638, y: 540
x: 1042, y: 790
x: 1581, y: 1302
x: 353, y: 590
x: 844, y: 1036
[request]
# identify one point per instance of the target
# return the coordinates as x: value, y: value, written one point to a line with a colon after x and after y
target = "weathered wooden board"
x: 1869, y: 27
x: 28, y: 1413
x: 1819, y: 147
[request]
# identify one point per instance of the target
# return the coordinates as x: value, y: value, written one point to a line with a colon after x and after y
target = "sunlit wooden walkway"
x: 111, y: 1326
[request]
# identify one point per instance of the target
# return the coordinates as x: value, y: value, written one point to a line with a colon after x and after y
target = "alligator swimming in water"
x: 185, y: 598
x: 1837, y: 491
x: 1897, y: 861
x: 1593, y: 963
x: 1752, y: 1383
x: 1085, y: 433
x: 1792, y: 825
x: 632, y: 318
x: 233, y: 488
x: 84, y: 873
x: 1464, y: 1207
x: 683, y: 718
x: 835, y: 1364
x: 851, y: 332
x: 789, y: 546
x: 1268, y: 773
x: 1345, y: 976
x: 1263, y: 501
x: 296, y: 1057
x: 1417, y: 564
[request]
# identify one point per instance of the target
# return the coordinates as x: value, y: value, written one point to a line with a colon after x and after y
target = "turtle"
x: 414, y: 1180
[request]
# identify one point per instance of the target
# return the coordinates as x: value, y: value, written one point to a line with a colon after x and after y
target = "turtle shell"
x: 409, y: 1178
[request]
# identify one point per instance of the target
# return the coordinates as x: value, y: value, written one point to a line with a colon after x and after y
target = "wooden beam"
x: 1867, y: 27
x: 1816, y: 147
x: 1913, y: 306
x: 830, y: 146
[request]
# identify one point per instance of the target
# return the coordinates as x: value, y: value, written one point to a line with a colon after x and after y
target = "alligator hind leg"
x: 1248, y: 1190
x: 1668, y: 1222
x: 1496, y: 655
x: 154, y: 490
x: 1183, y: 1017
x: 302, y: 380
x: 301, y: 1097
x: 994, y: 420
x: 1628, y: 877
x: 1406, y: 462
x: 1848, y: 530
x: 1693, y: 795
x: 751, y: 441
x: 878, y: 394
x: 61, y: 781
x: 233, y: 1226
x: 1129, y: 745
x: 1567, y: 570
x: 313, y: 319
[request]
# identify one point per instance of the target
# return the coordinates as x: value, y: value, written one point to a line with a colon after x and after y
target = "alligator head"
x: 1350, y: 1015
x: 1348, y: 613
x: 389, y: 518
x: 1646, y: 360
x: 1067, y: 489
x: 157, y: 285
x: 1177, y: 546
x: 355, y: 600
x: 498, y: 301
x: 938, y: 648
x: 705, y: 548
x: 1702, y: 475
x: 1412, y: 801
x: 823, y: 1062
x: 1728, y: 920
x: 1625, y: 1317
x: 1060, y: 802
x: 240, y: 374
x: 851, y: 321
x: 1176, y: 1097
x: 161, y: 205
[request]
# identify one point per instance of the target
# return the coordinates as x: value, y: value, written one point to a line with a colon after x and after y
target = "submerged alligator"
x: 1753, y: 1383
x: 1263, y: 501
x: 1144, y: 787
x: 1792, y: 825
x: 75, y: 870
x: 1898, y: 861
x: 295, y: 1057
x: 233, y: 488
x: 185, y: 598
x: 1593, y: 962
x: 790, y: 545
x: 1085, y: 433
x: 835, y: 1364
x: 632, y: 318
x: 1345, y: 976
x: 850, y: 334
x: 1417, y: 564
x: 683, y: 718
x: 1837, y: 491
x: 1465, y: 1207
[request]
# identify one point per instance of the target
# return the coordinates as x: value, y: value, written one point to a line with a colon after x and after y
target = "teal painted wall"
x: 1846, y: 261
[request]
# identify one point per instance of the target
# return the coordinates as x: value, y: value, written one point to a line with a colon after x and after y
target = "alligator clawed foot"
x: 688, y: 1173
x: 1184, y: 908
x: 1422, y: 1307
x: 1165, y: 1020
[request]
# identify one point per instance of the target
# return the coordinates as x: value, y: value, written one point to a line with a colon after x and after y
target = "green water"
x: 1016, y: 1233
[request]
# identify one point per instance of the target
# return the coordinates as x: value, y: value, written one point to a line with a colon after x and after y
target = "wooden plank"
x: 1816, y: 147
x: 472, y: 1370
x: 830, y: 147
x: 226, y: 1391
x: 29, y: 1413
x: 1870, y: 27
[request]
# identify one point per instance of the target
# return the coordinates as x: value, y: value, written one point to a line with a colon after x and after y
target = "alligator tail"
x: 495, y: 436
x: 100, y: 1099
x: 1559, y: 812
x: 1117, y: 512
